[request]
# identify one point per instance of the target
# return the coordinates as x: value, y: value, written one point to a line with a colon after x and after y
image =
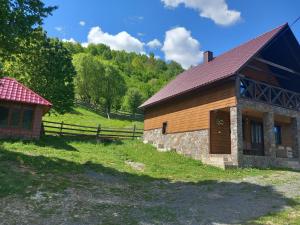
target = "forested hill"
x: 63, y: 72
x: 143, y: 75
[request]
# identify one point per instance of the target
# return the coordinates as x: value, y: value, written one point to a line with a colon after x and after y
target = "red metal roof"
x: 220, y: 67
x: 12, y: 90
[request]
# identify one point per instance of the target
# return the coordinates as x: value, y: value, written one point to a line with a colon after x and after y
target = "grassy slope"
x: 78, y: 154
x: 57, y: 158
x: 82, y: 116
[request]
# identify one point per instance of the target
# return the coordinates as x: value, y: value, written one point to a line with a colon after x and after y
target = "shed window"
x: 164, y: 127
x: 277, y: 132
x: 27, y: 118
x: 15, y: 117
x: 4, y: 116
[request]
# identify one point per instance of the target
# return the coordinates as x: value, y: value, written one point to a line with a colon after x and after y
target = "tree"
x: 114, y: 88
x: 89, y: 80
x: 45, y: 67
x: 73, y: 48
x: 18, y: 19
x: 133, y: 100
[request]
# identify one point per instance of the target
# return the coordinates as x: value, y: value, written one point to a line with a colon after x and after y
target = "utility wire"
x: 295, y: 21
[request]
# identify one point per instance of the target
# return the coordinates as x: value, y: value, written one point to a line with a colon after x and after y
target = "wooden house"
x: 241, y: 108
x: 21, y: 110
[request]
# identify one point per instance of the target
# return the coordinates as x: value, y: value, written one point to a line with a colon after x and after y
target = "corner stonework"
x: 236, y: 135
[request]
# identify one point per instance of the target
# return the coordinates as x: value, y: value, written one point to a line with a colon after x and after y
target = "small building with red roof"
x: 21, y: 110
x: 241, y: 108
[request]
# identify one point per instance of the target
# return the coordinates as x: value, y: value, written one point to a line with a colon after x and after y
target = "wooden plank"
x: 68, y: 124
x: 88, y: 135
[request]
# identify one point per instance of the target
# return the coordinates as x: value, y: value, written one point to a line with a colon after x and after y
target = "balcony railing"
x: 262, y: 92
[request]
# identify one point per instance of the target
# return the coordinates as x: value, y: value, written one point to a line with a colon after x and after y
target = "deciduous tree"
x: 46, y: 67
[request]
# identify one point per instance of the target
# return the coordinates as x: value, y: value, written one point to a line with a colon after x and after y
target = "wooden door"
x: 220, y: 141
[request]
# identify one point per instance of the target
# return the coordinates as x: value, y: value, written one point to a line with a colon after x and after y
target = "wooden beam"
x: 277, y: 65
x: 267, y: 72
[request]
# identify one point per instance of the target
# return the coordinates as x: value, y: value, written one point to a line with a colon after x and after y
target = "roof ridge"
x: 31, y: 91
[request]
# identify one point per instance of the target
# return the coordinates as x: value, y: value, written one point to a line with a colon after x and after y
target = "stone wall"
x: 194, y: 144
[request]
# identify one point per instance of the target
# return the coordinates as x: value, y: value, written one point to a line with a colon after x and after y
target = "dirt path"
x: 108, y: 199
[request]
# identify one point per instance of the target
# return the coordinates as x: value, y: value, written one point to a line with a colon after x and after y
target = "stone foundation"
x: 194, y: 144
x: 268, y: 161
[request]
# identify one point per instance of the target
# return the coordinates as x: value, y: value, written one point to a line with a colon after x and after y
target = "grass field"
x: 83, y: 116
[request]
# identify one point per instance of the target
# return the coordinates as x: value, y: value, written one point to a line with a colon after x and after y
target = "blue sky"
x: 183, y: 29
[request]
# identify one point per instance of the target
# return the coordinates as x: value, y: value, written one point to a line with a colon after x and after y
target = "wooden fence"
x: 98, y: 132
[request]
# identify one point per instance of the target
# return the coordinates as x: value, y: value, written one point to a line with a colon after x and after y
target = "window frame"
x: 164, y: 127
x: 21, y: 108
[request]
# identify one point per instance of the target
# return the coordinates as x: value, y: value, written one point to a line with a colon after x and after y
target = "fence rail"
x: 98, y: 132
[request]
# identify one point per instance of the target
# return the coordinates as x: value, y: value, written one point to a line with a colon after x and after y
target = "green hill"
x: 85, y: 117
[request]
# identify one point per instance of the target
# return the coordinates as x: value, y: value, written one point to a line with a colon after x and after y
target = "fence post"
x: 61, y: 128
x: 133, y: 133
x: 98, y: 131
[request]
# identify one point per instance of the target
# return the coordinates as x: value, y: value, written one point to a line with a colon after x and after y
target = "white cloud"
x: 217, y: 10
x: 120, y: 41
x: 154, y: 44
x: 181, y: 47
x: 82, y: 23
x: 72, y: 40
x: 59, y: 29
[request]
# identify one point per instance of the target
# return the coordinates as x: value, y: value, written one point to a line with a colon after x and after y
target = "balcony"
x: 265, y: 93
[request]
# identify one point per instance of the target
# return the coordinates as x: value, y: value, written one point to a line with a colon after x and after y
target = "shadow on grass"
x: 135, y: 198
x: 63, y: 143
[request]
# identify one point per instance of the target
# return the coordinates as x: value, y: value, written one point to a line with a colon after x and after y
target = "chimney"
x: 207, y: 56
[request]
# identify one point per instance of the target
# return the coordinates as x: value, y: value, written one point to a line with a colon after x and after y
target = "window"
x: 164, y: 127
x: 15, y: 118
x: 4, y: 116
x: 27, y: 118
x: 277, y: 132
x: 256, y: 133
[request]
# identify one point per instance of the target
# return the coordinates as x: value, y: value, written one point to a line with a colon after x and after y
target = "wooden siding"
x: 220, y: 141
x: 190, y: 112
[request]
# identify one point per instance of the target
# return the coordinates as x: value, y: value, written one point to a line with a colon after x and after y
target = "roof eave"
x: 142, y: 107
